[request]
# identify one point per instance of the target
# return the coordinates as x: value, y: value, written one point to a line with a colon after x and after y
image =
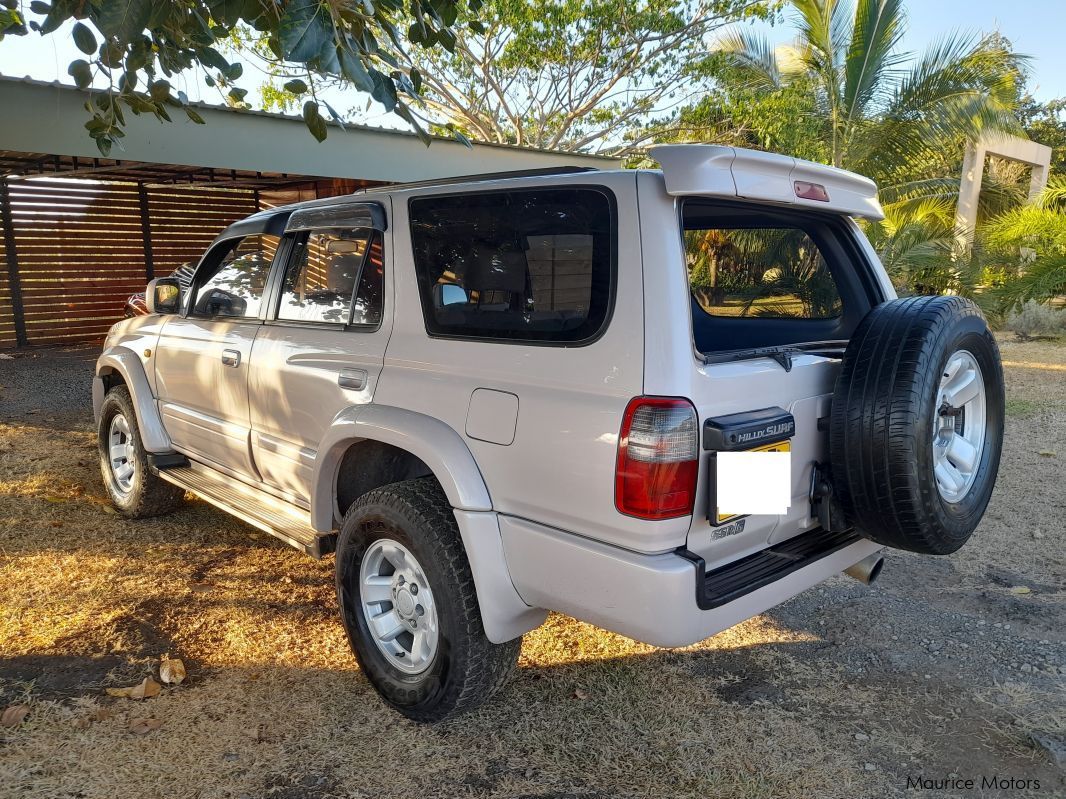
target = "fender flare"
x: 504, y: 614
x: 431, y: 440
x: 125, y: 362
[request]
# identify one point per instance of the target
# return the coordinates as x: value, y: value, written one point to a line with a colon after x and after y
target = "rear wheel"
x: 917, y: 423
x: 135, y: 490
x: 409, y: 605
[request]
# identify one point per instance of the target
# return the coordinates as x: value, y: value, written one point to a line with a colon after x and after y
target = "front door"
x: 320, y: 353
x: 202, y: 366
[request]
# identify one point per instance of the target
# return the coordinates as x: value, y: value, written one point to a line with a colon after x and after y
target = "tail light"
x: 658, y: 458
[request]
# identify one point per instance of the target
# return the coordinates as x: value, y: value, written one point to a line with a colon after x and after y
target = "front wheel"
x: 135, y: 490
x: 409, y: 606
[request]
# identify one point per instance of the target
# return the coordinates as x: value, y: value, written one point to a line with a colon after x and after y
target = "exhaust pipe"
x: 866, y: 570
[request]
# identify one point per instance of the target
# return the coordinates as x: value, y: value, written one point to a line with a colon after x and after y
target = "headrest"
x: 341, y: 272
x: 491, y: 269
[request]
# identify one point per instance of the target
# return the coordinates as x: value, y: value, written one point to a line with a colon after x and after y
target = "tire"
x: 465, y: 669
x: 896, y: 442
x: 143, y: 493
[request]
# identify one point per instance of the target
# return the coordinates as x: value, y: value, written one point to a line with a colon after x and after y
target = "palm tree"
x: 882, y: 113
x: 1026, y: 246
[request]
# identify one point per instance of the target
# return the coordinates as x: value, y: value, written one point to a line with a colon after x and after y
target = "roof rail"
x: 517, y: 173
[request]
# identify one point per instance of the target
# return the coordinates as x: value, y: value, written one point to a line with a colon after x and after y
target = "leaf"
x: 159, y: 90
x: 210, y: 57
x: 335, y: 116
x: 315, y: 123
x: 144, y: 726
x: 79, y: 70
x: 234, y: 71
x: 194, y: 116
x: 352, y: 68
x: 14, y: 715
x: 121, y: 19
x: 1047, y: 453
x: 295, y: 86
x: 172, y: 671
x: 228, y: 12
x: 143, y: 690
x: 84, y: 39
x: 304, y: 29
x: 579, y: 694
x: 1021, y: 589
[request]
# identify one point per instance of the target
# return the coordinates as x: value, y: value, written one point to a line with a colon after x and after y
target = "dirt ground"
x: 948, y: 669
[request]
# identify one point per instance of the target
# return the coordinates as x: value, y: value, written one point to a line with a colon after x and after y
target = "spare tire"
x: 917, y: 424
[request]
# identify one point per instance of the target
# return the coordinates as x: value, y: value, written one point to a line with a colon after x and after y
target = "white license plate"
x: 753, y: 482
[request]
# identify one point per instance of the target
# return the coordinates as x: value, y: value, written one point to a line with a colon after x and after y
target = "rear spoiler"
x: 712, y: 170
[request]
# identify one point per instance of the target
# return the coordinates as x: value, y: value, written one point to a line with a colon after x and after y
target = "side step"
x: 732, y: 581
x: 272, y: 515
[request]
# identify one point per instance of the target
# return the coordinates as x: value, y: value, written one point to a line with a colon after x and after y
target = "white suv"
x: 657, y: 401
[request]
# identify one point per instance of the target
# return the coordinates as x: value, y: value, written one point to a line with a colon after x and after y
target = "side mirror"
x: 445, y: 294
x: 163, y: 295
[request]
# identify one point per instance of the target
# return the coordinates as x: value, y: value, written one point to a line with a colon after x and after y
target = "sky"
x: 1035, y: 27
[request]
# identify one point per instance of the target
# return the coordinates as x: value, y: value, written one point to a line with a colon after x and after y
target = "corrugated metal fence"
x: 74, y: 250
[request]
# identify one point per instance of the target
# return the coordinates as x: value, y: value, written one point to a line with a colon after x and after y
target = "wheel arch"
x: 412, y: 445
x: 433, y: 443
x: 121, y: 365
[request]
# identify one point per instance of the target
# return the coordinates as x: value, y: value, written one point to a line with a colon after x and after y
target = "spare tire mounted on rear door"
x: 917, y: 423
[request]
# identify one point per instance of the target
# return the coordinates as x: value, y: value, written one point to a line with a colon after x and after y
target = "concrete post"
x: 1013, y: 148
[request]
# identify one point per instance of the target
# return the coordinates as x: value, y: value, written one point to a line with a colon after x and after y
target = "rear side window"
x: 529, y: 265
x: 322, y: 277
x: 748, y: 268
x: 233, y: 287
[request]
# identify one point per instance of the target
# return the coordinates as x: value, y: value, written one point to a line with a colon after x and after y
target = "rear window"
x: 527, y: 265
x: 757, y: 268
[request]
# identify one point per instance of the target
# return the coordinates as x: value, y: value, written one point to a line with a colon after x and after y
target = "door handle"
x: 231, y: 357
x: 354, y: 379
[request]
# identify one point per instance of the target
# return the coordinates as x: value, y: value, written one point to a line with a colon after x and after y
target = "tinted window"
x: 529, y: 265
x: 321, y: 279
x: 759, y: 272
x: 234, y: 287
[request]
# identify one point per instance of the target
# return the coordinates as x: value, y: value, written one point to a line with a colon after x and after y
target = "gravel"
x: 53, y: 384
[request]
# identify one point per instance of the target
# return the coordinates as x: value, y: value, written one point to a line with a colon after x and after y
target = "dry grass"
x: 275, y: 707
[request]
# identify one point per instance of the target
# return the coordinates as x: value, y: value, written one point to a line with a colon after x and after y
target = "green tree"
x: 1046, y: 123
x: 136, y: 46
x: 880, y: 112
x: 1024, y: 249
x: 577, y: 75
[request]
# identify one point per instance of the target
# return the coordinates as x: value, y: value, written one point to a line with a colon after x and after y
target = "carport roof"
x: 236, y: 148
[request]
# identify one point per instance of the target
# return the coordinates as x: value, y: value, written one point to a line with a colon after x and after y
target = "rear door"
x: 757, y: 277
x: 322, y: 346
x: 202, y: 357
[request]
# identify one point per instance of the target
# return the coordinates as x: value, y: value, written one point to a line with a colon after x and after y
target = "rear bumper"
x: 651, y: 598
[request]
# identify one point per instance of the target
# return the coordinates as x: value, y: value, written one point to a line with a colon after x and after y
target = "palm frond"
x: 1042, y: 279
x: 960, y: 89
x: 751, y: 58
x: 871, y: 55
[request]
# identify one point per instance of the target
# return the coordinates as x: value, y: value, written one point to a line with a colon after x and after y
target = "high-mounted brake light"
x: 811, y: 191
x: 658, y: 458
